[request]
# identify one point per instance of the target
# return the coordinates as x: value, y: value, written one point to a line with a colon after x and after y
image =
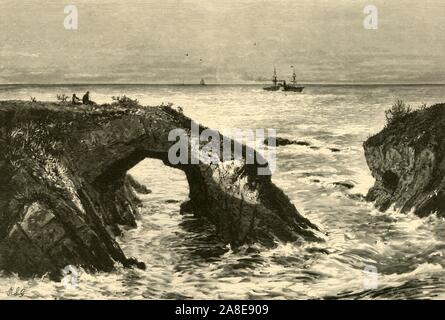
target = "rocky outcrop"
x: 279, y: 141
x: 64, y: 189
x: 285, y: 142
x: 407, y: 160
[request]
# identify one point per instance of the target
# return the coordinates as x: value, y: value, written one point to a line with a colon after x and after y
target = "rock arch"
x: 67, y: 192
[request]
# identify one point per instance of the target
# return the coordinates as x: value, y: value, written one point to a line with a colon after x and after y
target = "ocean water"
x: 185, y: 260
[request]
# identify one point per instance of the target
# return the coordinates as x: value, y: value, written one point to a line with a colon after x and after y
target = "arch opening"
x: 168, y: 230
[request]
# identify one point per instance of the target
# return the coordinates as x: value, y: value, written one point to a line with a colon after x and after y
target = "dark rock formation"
x: 344, y: 184
x: 64, y: 189
x: 407, y: 160
x: 284, y: 142
x: 139, y: 188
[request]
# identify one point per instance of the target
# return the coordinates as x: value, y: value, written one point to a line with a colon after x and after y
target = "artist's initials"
x: 16, y: 292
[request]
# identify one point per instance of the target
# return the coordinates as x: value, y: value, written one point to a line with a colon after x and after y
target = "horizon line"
x: 228, y: 84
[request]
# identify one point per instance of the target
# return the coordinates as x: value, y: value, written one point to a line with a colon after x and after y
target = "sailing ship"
x: 275, y: 86
x: 282, y: 84
x: 294, y: 87
x: 202, y: 82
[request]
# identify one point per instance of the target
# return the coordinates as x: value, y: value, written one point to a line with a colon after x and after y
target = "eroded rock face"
x: 407, y: 161
x: 64, y: 189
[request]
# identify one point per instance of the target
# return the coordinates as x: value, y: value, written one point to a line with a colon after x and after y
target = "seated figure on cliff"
x: 76, y: 99
x: 86, y: 99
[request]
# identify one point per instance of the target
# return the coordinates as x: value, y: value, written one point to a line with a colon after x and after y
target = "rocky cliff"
x: 64, y: 189
x: 407, y: 160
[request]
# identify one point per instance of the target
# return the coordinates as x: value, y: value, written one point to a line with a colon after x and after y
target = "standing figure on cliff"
x: 86, y: 99
x: 76, y: 99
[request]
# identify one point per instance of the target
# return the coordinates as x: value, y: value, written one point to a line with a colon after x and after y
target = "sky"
x: 222, y: 41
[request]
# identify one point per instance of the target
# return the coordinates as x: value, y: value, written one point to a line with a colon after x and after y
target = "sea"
x: 367, y: 254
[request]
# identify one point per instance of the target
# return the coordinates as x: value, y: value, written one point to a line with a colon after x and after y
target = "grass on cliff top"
x: 61, y: 120
x: 20, y: 110
x: 397, y: 112
x: 417, y: 128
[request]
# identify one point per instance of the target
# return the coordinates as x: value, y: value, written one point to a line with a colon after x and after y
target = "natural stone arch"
x: 71, y: 214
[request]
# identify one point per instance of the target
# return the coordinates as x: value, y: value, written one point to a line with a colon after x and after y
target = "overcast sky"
x: 224, y: 41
